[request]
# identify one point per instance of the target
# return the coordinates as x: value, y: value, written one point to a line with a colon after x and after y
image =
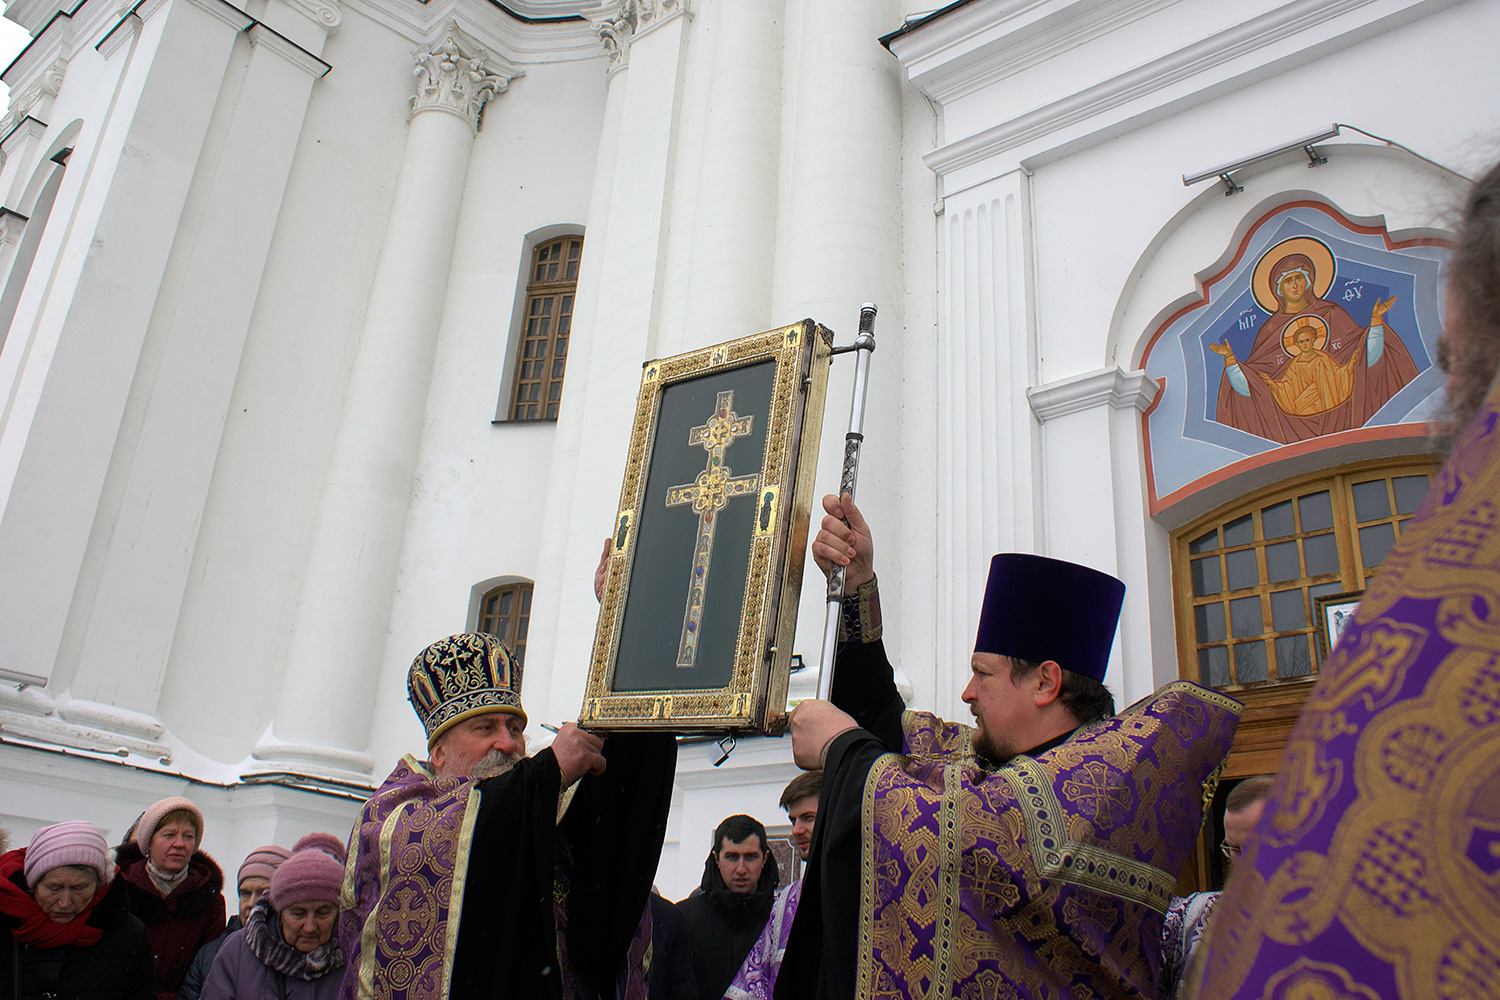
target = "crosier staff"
x: 864, y: 345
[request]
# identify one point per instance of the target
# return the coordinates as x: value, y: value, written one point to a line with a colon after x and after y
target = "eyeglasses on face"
x: 1230, y: 851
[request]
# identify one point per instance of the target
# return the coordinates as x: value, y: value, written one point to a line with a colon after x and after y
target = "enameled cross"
x: 709, y: 494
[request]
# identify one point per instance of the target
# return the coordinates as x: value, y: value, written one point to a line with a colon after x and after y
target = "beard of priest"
x: 487, y: 873
x: 1033, y: 855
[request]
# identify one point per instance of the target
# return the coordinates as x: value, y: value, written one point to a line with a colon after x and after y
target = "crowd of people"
x: 144, y: 919
x: 1032, y: 854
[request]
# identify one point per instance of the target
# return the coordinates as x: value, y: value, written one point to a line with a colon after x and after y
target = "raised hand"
x: 1377, y: 314
x: 578, y: 752
x: 848, y: 545
x: 814, y: 725
x: 1226, y: 352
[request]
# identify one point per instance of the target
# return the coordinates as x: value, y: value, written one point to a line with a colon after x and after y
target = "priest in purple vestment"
x: 1374, y: 872
x: 1030, y: 856
x: 484, y: 873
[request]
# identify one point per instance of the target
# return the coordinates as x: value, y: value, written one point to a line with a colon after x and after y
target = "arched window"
x: 505, y: 613
x: 547, y: 324
x: 1248, y: 576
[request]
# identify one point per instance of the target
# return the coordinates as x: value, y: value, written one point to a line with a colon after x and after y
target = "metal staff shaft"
x: 864, y: 346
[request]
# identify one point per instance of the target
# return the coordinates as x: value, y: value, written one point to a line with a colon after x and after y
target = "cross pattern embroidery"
x: 709, y: 494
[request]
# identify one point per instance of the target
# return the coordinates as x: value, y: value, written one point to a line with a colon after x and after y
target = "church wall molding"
x: 264, y: 36
x: 519, y: 42
x: 1114, y: 387
x: 996, y: 46
x: 1185, y: 76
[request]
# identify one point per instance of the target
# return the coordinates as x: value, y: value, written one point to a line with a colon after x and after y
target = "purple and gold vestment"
x: 1045, y: 878
x: 1375, y: 870
x: 400, y: 899
x: 457, y: 890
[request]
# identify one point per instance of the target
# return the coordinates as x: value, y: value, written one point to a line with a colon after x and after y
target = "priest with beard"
x: 482, y: 872
x: 1030, y: 856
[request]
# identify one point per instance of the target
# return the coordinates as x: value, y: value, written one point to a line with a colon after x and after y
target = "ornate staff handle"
x: 864, y: 346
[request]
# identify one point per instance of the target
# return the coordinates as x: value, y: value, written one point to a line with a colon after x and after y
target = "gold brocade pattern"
x: 1046, y: 878
x: 407, y: 937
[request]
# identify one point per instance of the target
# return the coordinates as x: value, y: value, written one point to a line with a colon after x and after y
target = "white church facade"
x: 323, y: 324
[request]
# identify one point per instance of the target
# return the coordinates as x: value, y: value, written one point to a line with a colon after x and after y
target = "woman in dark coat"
x: 287, y: 949
x: 174, y: 888
x: 68, y: 932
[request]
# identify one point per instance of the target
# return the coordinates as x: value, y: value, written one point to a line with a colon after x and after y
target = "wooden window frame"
x: 545, y: 329
x: 518, y: 620
x: 1273, y: 705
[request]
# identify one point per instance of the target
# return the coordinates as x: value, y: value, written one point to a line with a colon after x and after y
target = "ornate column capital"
x: 35, y: 98
x: 458, y: 75
x: 618, y: 22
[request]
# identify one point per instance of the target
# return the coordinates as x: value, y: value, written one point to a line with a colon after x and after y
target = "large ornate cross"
x: 708, y: 494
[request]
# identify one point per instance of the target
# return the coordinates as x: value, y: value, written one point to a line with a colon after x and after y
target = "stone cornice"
x: 519, y: 42
x: 1114, y: 387
x: 977, y: 45
x: 457, y: 75
x: 261, y: 35
x: 619, y: 23
x: 1212, y: 61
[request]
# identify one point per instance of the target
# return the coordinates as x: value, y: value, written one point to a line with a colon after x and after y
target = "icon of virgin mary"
x: 1312, y: 369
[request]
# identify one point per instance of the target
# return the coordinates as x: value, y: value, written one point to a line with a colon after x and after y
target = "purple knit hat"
x: 145, y: 827
x: 307, y: 876
x: 72, y: 843
x: 262, y: 863
x: 325, y: 842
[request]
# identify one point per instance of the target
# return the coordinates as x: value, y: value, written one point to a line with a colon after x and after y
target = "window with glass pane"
x: 1248, y: 574
x: 505, y: 613
x: 547, y: 326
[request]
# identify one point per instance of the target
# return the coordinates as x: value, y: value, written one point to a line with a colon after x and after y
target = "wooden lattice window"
x: 547, y: 324
x: 505, y: 613
x: 1246, y: 577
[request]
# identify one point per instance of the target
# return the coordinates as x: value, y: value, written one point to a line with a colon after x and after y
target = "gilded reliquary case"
x: 700, y: 602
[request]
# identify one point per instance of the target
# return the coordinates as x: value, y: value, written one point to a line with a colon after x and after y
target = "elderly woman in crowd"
x: 254, y: 879
x: 287, y: 949
x: 69, y: 934
x: 174, y: 888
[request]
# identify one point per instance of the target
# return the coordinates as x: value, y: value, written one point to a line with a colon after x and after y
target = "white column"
x: 614, y: 329
x: 1092, y: 490
x: 986, y: 434
x: 201, y: 323
x: 322, y: 720
x: 81, y: 323
x: 838, y: 245
x: 731, y: 241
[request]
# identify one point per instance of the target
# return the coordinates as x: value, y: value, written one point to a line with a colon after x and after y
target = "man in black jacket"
x: 726, y: 917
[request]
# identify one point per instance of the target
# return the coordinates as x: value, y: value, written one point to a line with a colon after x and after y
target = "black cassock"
x: 602, y: 856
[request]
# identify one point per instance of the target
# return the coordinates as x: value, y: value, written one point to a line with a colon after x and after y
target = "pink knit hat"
x: 262, y: 863
x: 307, y: 876
x: 145, y: 827
x: 72, y: 843
x: 325, y: 842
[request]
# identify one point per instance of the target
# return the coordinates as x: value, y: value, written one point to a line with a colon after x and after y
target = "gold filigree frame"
x: 754, y: 700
